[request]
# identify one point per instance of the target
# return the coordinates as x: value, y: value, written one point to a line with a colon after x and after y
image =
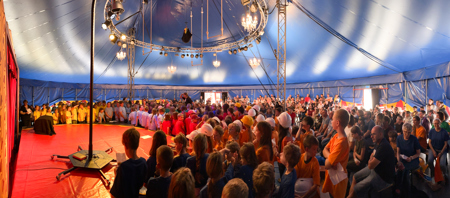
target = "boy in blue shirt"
x: 130, y: 174
x: 159, y: 186
x: 289, y: 158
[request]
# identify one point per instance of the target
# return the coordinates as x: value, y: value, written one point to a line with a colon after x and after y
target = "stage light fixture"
x: 196, y: 56
x: 245, y: 2
x: 239, y: 50
x: 254, y: 7
x: 106, y: 24
x: 124, y: 45
x: 192, y: 55
x: 165, y: 54
x: 119, y: 43
x: 145, y: 1
x: 258, y: 40
x: 123, y: 37
x: 113, y: 38
x: 182, y: 55
x: 230, y: 52
x: 176, y: 54
x: 160, y: 53
x: 111, y: 15
x: 250, y: 45
x: 245, y: 48
x: 201, y: 55
x: 162, y: 48
x: 234, y: 51
x: 117, y: 7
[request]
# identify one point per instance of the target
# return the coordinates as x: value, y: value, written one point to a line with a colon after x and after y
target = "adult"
x: 420, y: 133
x: 369, y: 123
x: 437, y: 141
x: 431, y: 106
x: 424, y: 121
x: 398, y: 124
x: 325, y: 123
x: 408, y: 151
x: 380, y: 171
x: 443, y: 124
x: 387, y: 126
x: 408, y: 118
x: 441, y: 108
x: 186, y: 98
x: 25, y: 114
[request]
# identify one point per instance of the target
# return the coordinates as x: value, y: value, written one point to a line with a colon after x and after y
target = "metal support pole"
x: 32, y: 95
x: 62, y: 94
x: 426, y: 94
x: 76, y: 94
x: 91, y: 87
x: 281, y: 52
x: 354, y: 95
x: 387, y: 95
x: 131, y: 54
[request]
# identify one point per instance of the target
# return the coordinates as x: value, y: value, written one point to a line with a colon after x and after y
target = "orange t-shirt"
x: 339, y: 150
x: 422, y: 134
x: 263, y: 154
x: 301, y: 139
x: 243, y: 137
x: 309, y: 170
x: 275, y: 136
x: 225, y: 136
x: 219, y: 146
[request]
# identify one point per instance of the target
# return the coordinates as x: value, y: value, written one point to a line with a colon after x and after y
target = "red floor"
x: 36, y: 171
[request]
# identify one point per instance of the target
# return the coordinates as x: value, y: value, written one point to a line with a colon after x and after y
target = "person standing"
x: 25, y: 114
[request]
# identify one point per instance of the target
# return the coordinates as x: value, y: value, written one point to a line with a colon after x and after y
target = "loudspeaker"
x: 224, y: 96
x: 375, y: 97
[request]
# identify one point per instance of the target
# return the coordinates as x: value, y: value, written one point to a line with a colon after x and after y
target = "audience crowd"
x: 232, y: 149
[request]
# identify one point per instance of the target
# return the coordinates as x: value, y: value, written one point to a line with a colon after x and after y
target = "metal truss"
x: 281, y: 52
x: 131, y: 54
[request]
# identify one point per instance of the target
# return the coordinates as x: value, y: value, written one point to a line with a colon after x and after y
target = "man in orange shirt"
x: 336, y: 152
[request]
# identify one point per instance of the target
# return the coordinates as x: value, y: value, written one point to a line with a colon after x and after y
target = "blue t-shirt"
x: 245, y: 173
x: 151, y: 167
x: 179, y: 161
x: 408, y: 148
x: 438, y: 139
x: 217, y: 189
x: 158, y: 187
x: 129, y: 178
x: 370, y: 125
x: 202, y: 175
x: 287, y: 185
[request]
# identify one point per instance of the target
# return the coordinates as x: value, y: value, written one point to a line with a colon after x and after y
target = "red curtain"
x: 12, y: 93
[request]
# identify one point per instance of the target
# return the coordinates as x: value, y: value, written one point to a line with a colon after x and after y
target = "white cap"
x: 192, y: 135
x: 285, y: 120
x: 239, y: 123
x: 216, y: 118
x: 260, y: 118
x: 207, y: 130
x: 251, y: 112
x: 257, y: 108
x: 271, y: 121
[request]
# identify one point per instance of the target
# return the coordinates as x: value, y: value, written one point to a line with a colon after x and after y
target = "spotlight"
x: 160, y: 53
x: 123, y: 37
x: 239, y: 50
x: 234, y: 51
x: 124, y: 45
x: 258, y: 40
x: 230, y: 52
x: 106, y: 24
x: 165, y: 54
x: 117, y: 7
x: 192, y: 55
x: 113, y: 38
x: 176, y: 54
x: 214, y: 54
x: 182, y: 55
x: 201, y: 55
x: 145, y: 1
x: 245, y: 48
x: 111, y: 15
x: 196, y: 56
x: 162, y: 48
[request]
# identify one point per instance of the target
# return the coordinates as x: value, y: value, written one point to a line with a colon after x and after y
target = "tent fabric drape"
x: 12, y: 94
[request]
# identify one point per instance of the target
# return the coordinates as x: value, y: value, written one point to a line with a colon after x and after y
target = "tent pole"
x: 387, y: 95
x: 32, y: 95
x: 426, y: 94
x: 354, y: 95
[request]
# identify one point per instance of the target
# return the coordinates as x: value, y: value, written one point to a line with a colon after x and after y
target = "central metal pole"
x: 91, y: 87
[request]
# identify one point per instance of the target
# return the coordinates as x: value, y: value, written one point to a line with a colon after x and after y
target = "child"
x: 307, y: 168
x: 249, y: 163
x: 217, y: 134
x: 193, y: 124
x: 151, y: 120
x: 393, y: 140
x: 235, y: 188
x: 207, y: 130
x: 69, y: 115
x: 182, y: 184
x: 182, y: 155
x: 166, y: 125
x: 101, y: 116
x: 246, y: 135
x: 37, y: 112
x: 336, y: 152
x: 160, y: 118
x: 204, y: 119
x: 131, y: 173
x: 132, y: 116
x: 234, y: 130
x: 216, y: 180
x: 81, y: 114
x: 289, y: 158
x: 197, y: 163
x: 159, y: 187
x: 74, y: 113
x: 143, y: 118
x: 88, y: 114
x: 95, y: 112
x: 55, y: 116
x: 264, y: 180
x: 306, y: 124
x: 179, y: 126
x: 174, y: 118
x: 159, y: 139
x: 263, y: 142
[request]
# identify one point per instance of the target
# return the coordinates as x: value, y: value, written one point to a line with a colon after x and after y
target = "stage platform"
x: 36, y: 171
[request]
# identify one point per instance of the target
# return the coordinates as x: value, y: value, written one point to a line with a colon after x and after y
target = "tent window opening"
x: 367, y: 99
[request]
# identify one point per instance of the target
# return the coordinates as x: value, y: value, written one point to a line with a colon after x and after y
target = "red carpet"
x: 36, y: 171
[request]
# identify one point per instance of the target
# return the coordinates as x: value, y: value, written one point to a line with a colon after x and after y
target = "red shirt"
x: 307, y: 99
x: 178, y: 128
x: 187, y: 123
x: 167, y: 126
x: 293, y: 115
x: 191, y: 128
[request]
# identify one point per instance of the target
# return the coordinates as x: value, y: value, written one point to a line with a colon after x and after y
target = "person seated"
x: 216, y: 177
x: 393, y: 141
x: 159, y: 139
x: 438, y: 144
x: 420, y: 133
x: 235, y: 188
x: 289, y: 158
x: 182, y: 184
x: 245, y: 171
x: 197, y: 163
x: 130, y: 175
x: 358, y: 161
x: 159, y: 186
x: 307, y: 168
x: 380, y: 172
x: 264, y: 180
x: 408, y: 151
x: 180, y: 146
